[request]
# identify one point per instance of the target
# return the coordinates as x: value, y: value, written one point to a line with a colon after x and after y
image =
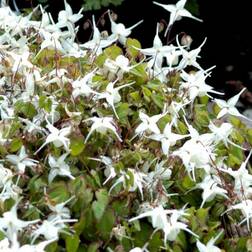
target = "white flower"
x: 97, y: 43
x: 112, y: 95
x: 157, y: 176
x: 40, y: 247
x: 243, y: 180
x: 209, y: 247
x: 71, y: 114
x: 170, y: 225
x: 9, y: 190
x: 10, y: 225
x: 174, y: 108
x: 222, y: 133
x: 159, y: 51
x: 246, y: 208
x: 195, y: 84
x: 5, y: 175
x: 33, y: 126
x: 168, y: 138
x: 177, y: 12
x: 102, y: 125
x: 189, y: 58
x: 109, y: 171
x: 22, y: 160
x: 57, y: 76
x: 58, y: 167
x: 66, y: 18
x: 210, y: 189
x: 50, y: 229
x: 195, y: 155
x: 51, y: 41
x: 228, y: 107
x: 117, y: 68
x: 6, y: 110
x: 60, y: 211
x: 149, y: 123
x: 5, y: 245
x: 82, y: 86
x: 138, y: 180
x: 21, y: 61
x: 119, y: 31
x: 57, y: 137
x: 160, y: 172
x: 143, y: 249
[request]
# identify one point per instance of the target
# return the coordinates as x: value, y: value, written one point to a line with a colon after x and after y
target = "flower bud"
x: 186, y: 40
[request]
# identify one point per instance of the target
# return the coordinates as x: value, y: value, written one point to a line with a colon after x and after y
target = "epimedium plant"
x: 107, y: 146
x: 87, y: 4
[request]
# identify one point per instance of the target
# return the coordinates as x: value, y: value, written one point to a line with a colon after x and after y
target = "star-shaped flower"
x: 60, y: 211
x: 148, y: 124
x: 50, y: 229
x: 102, y: 125
x: 112, y: 95
x: 10, y: 224
x: 138, y: 180
x: 242, y: 177
x: 170, y: 225
x: 189, y: 58
x: 222, y: 133
x: 195, y: 84
x: 109, y: 171
x: 209, y: 247
x: 66, y: 18
x: 97, y: 43
x: 210, y: 189
x: 228, y: 107
x: 119, y: 31
x: 57, y: 136
x: 168, y: 138
x: 177, y: 12
x: 58, y: 167
x: 82, y: 86
x: 246, y: 208
x: 22, y: 160
x: 158, y: 51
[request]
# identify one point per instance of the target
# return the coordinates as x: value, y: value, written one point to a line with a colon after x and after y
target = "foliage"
x: 107, y: 146
x: 98, y: 4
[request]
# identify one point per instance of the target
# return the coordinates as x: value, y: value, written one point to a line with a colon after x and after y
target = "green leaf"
x: 59, y: 192
x: 187, y: 183
x: 106, y: 224
x: 45, y: 103
x: 100, y: 204
x: 113, y: 51
x: 96, y: 177
x: 158, y: 100
x: 122, y: 110
x: 98, y: 4
x: 15, y: 145
x: 137, y: 98
x: 146, y: 94
x: 26, y: 109
x: 52, y: 247
x: 143, y: 235
x: 141, y: 76
x: 130, y: 44
x: 77, y: 145
x: 120, y: 207
x: 72, y: 243
x: 93, y: 247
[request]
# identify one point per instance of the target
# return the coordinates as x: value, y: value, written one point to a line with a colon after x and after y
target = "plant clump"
x: 107, y: 146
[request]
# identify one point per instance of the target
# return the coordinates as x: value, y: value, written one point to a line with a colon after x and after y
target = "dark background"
x: 226, y: 26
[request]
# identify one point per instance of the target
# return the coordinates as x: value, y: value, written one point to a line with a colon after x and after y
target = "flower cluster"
x: 109, y: 146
